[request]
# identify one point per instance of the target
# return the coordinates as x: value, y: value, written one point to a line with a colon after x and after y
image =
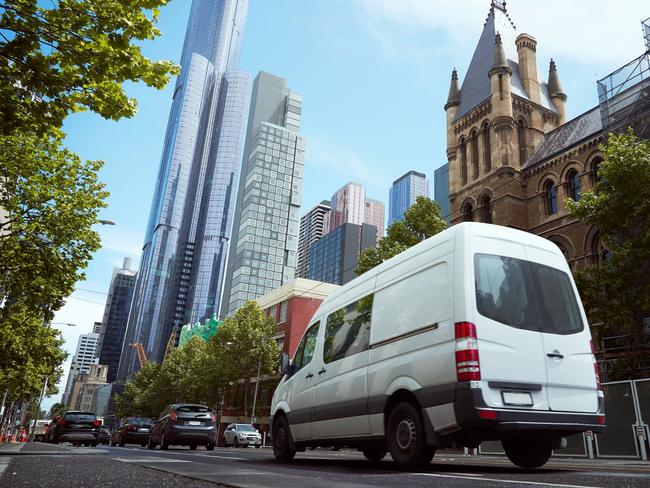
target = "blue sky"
x: 374, y: 75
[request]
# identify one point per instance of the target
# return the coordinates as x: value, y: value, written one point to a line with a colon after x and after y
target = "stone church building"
x: 513, y: 157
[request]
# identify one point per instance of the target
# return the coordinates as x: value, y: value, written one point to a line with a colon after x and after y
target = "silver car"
x: 242, y: 435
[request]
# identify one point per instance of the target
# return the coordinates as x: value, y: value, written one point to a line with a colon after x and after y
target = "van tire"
x: 282, y: 440
x: 528, y: 453
x: 374, y: 454
x: 406, y: 438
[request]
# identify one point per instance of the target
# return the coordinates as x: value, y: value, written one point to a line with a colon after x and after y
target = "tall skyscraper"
x: 264, y: 244
x: 404, y: 192
x: 116, y: 315
x: 375, y: 214
x: 441, y: 190
x: 348, y: 205
x: 186, y: 242
x: 85, y: 356
x: 312, y: 228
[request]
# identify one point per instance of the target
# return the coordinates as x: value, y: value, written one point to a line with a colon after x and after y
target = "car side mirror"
x: 285, y: 365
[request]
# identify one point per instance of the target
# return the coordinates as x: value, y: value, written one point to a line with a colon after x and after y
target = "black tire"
x: 93, y: 444
x: 282, y: 440
x: 406, y: 438
x: 374, y: 454
x: 163, y: 442
x: 143, y: 445
x: 210, y: 446
x: 122, y: 444
x: 257, y: 446
x: 528, y: 453
x: 193, y: 447
x: 151, y: 444
x: 235, y: 443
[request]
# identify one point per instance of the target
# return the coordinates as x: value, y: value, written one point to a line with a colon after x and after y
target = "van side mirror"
x: 285, y: 366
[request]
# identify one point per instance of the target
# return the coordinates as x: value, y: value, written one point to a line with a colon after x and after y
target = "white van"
x: 475, y: 334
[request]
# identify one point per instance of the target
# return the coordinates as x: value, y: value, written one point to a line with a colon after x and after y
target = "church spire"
x: 454, y: 92
x: 555, y: 91
x: 499, y: 60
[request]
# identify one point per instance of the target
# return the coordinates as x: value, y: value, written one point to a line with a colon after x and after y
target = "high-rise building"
x: 264, y: 244
x: 348, y: 206
x: 375, y: 214
x: 404, y: 192
x: 441, y: 190
x: 97, y: 328
x: 116, y: 315
x: 186, y: 243
x: 312, y: 228
x: 85, y: 356
x: 83, y: 394
x: 333, y: 258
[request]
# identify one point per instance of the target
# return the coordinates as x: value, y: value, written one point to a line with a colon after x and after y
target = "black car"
x: 134, y: 430
x: 104, y: 435
x: 185, y: 424
x: 76, y: 427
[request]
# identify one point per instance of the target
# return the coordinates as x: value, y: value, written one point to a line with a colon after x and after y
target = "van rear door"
x: 569, y: 361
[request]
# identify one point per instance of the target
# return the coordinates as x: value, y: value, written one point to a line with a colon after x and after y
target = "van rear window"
x: 526, y: 295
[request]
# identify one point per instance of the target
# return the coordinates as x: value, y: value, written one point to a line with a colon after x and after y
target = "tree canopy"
x: 70, y: 55
x: 421, y: 221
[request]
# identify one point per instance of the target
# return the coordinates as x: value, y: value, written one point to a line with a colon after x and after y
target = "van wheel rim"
x: 405, y: 434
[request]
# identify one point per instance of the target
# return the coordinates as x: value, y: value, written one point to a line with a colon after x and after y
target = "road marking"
x: 538, y: 483
x: 150, y: 460
x: 4, y: 462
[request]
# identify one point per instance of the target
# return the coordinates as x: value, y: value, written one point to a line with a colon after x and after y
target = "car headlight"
x: 243, y: 436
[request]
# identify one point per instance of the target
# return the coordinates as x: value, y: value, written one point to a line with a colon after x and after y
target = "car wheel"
x: 406, y: 440
x: 151, y: 444
x: 235, y: 443
x: 93, y: 444
x: 210, y: 446
x: 282, y: 440
x: 143, y: 445
x: 113, y: 443
x: 163, y: 442
x: 528, y: 453
x: 374, y: 454
x: 257, y: 446
x: 193, y: 447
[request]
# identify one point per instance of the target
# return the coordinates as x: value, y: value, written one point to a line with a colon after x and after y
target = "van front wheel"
x: 406, y: 439
x: 528, y: 453
x: 282, y: 440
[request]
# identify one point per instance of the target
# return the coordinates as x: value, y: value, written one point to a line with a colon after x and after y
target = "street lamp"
x: 105, y: 222
x: 63, y: 323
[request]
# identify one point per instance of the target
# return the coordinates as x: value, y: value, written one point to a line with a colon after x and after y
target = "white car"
x: 474, y: 334
x: 242, y: 435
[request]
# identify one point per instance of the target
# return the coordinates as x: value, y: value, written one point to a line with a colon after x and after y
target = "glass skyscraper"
x: 186, y: 242
x: 441, y: 190
x: 263, y: 251
x: 404, y: 192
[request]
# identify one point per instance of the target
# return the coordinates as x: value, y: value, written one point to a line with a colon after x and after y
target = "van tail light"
x: 173, y: 417
x: 468, y: 366
x: 599, y: 386
x: 97, y: 423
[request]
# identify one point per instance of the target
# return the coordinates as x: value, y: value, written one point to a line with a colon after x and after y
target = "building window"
x: 463, y: 162
x: 487, y: 150
x: 550, y: 196
x: 573, y: 182
x: 467, y: 212
x: 521, y: 135
x: 474, y: 142
x: 283, y: 312
x: 486, y: 211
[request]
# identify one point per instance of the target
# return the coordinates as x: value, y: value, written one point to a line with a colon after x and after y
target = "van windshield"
x: 526, y: 295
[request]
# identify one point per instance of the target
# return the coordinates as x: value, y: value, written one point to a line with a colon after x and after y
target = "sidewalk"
x: 37, y: 448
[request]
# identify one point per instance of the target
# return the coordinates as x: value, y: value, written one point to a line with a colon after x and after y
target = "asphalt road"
x: 139, y: 467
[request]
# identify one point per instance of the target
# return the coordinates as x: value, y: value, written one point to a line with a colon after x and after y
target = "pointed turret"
x: 451, y: 107
x: 555, y: 91
x: 499, y: 59
x: 454, y: 92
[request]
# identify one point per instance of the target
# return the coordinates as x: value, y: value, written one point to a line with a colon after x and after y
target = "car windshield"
x: 526, y: 295
x: 138, y: 420
x: 245, y: 428
x: 193, y: 408
x: 80, y: 416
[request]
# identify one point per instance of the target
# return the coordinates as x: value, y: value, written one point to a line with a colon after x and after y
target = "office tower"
x: 85, y: 356
x: 264, y: 240
x: 333, y: 258
x: 348, y: 205
x: 116, y: 315
x: 312, y: 228
x: 97, y: 328
x: 441, y: 190
x: 404, y: 192
x: 83, y: 395
x: 186, y: 242
x: 375, y: 214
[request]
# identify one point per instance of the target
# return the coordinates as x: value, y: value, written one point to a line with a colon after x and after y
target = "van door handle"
x: 321, y: 371
x: 310, y: 375
x: 555, y: 355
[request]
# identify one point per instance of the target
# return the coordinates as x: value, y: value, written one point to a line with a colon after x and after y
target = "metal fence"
x: 627, y: 409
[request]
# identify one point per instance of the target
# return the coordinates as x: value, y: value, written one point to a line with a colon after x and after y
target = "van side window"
x: 348, y: 330
x: 305, y: 350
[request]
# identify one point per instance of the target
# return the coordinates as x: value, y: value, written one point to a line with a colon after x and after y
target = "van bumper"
x: 472, y: 413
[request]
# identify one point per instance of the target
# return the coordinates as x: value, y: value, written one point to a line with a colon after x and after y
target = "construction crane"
x: 173, y: 340
x: 142, y: 356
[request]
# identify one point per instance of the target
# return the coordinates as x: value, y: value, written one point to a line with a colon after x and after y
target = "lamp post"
x: 257, y: 382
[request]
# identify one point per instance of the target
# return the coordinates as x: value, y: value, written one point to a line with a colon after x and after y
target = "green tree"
x: 617, y: 293
x: 139, y: 396
x: 71, y: 55
x: 421, y: 221
x: 56, y: 410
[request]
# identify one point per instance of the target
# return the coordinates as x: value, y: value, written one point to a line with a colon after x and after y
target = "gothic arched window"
x: 486, y: 211
x: 463, y: 162
x: 521, y: 136
x: 467, y: 212
x: 573, y: 185
x: 550, y: 197
x: 474, y: 143
x: 487, y: 150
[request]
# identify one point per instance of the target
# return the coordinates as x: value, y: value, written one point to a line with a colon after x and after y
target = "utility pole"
x: 257, y: 381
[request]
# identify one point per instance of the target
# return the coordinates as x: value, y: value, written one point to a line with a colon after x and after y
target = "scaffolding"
x: 624, y: 95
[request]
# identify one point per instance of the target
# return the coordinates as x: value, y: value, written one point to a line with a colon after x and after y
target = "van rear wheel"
x: 374, y: 454
x: 282, y: 440
x: 406, y: 439
x: 528, y: 453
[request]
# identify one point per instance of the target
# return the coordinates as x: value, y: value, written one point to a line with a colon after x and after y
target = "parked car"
x: 133, y: 430
x: 476, y: 333
x: 186, y: 425
x: 104, y: 435
x: 242, y: 435
x: 40, y: 430
x: 76, y: 427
